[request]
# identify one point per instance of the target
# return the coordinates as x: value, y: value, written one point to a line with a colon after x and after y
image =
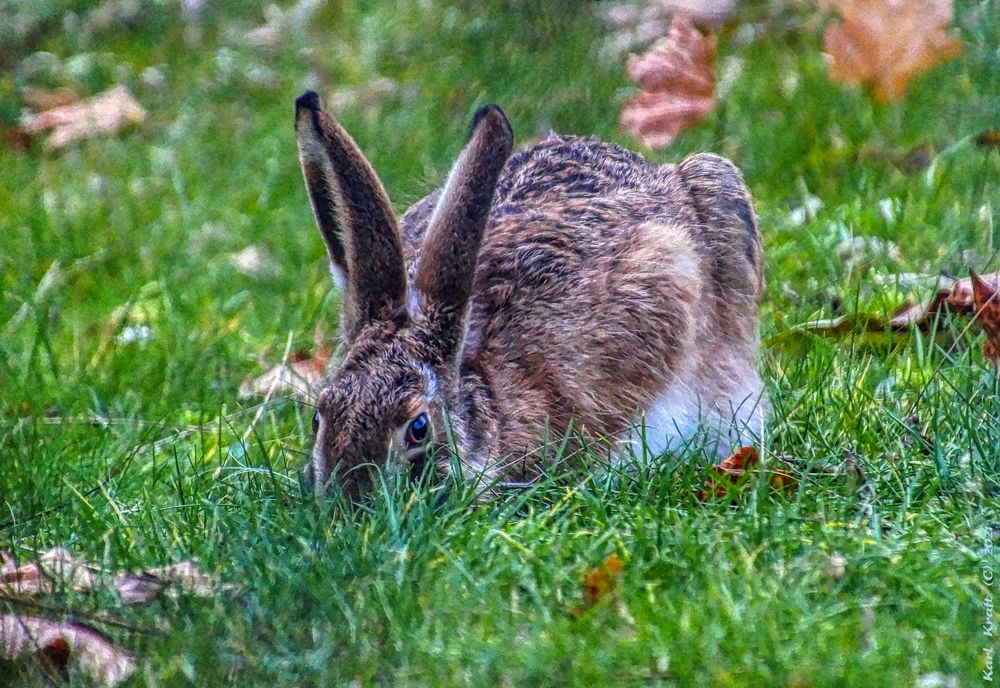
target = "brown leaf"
x: 677, y: 79
x: 39, y: 99
x: 732, y: 471
x: 299, y: 375
x: 729, y: 472
x: 633, y: 27
x: 57, y: 568
x: 598, y: 582
x: 986, y: 301
x: 54, y: 568
x: 139, y: 588
x: 183, y: 577
x: 888, y: 42
x: 956, y: 296
x: 104, y: 113
x: 988, y: 139
x: 65, y: 645
x: 978, y: 296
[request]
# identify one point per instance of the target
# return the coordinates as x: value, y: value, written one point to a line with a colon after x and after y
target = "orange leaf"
x: 888, y: 42
x: 986, y: 300
x: 600, y: 581
x: 732, y: 470
x: 729, y: 472
x: 677, y: 79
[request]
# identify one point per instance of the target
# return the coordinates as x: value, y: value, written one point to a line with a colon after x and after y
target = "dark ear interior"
x: 444, y: 276
x: 354, y: 217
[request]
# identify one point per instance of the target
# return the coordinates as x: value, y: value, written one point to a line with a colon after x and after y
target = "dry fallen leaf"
x: 677, y: 79
x: 732, y: 471
x: 65, y: 645
x: 54, y: 568
x: 299, y: 375
x: 598, y: 582
x: 988, y: 139
x: 729, y: 472
x: 986, y: 301
x: 57, y: 569
x: 39, y: 99
x: 184, y: 577
x: 976, y: 295
x: 888, y: 42
x: 106, y: 112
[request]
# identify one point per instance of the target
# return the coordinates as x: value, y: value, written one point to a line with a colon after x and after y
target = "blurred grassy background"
x: 137, y: 452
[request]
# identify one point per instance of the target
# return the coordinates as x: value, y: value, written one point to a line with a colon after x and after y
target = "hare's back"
x: 600, y: 192
x: 705, y: 193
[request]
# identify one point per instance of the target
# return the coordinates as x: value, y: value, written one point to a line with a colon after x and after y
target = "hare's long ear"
x: 354, y: 217
x: 448, y: 257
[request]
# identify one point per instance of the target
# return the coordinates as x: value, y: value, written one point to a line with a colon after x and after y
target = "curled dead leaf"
x: 977, y: 296
x: 57, y: 569
x: 677, y: 79
x: 106, y: 112
x: 40, y: 99
x: 299, y: 375
x: 53, y: 569
x: 986, y: 301
x: 734, y: 470
x: 598, y: 582
x: 888, y: 42
x: 65, y: 645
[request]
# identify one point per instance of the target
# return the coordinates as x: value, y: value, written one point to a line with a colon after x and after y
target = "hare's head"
x: 387, y: 403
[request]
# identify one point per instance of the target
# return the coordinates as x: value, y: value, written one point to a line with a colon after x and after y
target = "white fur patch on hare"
x: 680, y: 420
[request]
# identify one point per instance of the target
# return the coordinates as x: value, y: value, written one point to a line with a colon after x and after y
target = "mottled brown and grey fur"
x: 572, y: 290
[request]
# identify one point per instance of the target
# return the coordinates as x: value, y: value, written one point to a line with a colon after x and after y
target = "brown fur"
x: 559, y: 296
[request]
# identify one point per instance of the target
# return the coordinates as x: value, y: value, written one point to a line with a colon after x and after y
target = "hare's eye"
x: 315, y: 422
x: 416, y: 432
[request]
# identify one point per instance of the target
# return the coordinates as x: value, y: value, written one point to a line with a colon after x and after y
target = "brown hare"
x: 570, y: 293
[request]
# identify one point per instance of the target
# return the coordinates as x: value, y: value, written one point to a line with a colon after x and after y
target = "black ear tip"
x: 307, y: 101
x: 492, y: 111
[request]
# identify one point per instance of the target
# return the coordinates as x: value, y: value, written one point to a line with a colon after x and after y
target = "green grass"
x: 131, y: 454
